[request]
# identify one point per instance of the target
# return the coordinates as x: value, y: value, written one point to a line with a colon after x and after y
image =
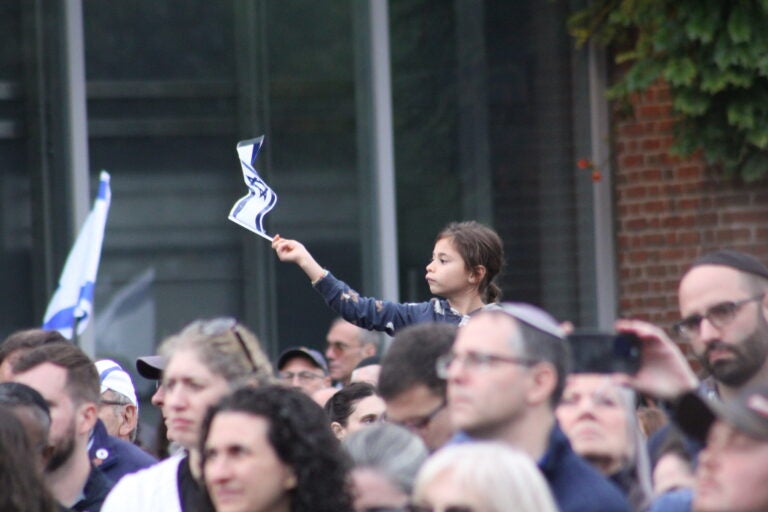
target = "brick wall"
x: 671, y: 210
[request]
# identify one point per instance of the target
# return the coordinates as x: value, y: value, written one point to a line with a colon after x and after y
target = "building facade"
x: 383, y: 121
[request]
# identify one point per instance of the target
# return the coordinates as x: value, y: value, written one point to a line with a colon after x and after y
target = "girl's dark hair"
x: 478, y: 245
x: 342, y: 404
x: 301, y: 438
x: 21, y: 487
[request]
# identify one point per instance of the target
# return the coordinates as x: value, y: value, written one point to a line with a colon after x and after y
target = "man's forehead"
x: 47, y: 379
x: 487, y: 329
x: 344, y: 332
x: 709, y: 284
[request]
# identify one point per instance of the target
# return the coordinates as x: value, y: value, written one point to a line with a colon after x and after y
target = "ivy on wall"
x: 714, y: 56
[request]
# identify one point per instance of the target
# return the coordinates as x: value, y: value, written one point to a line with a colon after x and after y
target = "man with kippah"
x: 723, y: 308
x: 724, y: 317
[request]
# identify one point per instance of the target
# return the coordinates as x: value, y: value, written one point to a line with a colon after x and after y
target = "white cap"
x: 112, y: 376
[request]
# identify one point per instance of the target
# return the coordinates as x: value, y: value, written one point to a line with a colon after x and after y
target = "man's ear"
x: 339, y: 431
x: 542, y: 383
x: 87, y: 415
x: 129, y: 418
x: 369, y: 349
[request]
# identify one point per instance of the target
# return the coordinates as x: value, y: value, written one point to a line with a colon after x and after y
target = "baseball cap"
x: 307, y: 353
x: 734, y: 259
x: 112, y: 376
x: 151, y: 367
x: 748, y: 413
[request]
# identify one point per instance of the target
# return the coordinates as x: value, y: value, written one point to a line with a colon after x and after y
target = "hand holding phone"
x: 598, y: 352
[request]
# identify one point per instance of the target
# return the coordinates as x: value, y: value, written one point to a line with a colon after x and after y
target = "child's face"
x: 447, y: 273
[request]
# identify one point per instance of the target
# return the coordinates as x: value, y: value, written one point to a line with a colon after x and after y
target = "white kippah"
x: 112, y: 376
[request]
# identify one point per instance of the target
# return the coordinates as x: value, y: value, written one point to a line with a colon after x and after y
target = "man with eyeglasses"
x: 506, y: 374
x: 415, y: 395
x: 723, y: 305
x: 119, y: 407
x: 348, y: 344
x: 304, y: 369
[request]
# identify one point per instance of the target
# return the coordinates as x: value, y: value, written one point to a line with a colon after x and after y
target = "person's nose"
x: 217, y: 470
x: 329, y: 355
x: 456, y: 370
x: 431, y: 266
x: 708, y: 333
x: 158, y: 398
x: 585, y: 407
x: 707, y: 461
x: 175, y: 398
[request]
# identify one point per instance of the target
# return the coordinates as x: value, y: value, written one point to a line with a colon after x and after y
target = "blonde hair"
x: 225, y: 347
x: 506, y: 478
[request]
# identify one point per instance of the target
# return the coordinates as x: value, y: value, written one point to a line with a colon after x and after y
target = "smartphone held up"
x: 599, y: 352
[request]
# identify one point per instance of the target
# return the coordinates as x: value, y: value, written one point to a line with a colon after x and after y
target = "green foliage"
x: 714, y: 56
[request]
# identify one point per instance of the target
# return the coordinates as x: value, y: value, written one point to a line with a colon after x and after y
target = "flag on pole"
x: 72, y: 303
x: 249, y: 211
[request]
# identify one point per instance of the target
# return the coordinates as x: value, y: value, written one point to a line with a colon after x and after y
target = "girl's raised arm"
x: 293, y: 251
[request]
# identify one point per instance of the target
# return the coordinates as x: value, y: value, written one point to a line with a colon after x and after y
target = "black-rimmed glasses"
x: 718, y: 315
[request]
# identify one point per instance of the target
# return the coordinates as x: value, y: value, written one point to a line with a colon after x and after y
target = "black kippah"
x: 734, y: 259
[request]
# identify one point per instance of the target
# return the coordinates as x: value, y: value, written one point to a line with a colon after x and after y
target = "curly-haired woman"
x: 270, y: 450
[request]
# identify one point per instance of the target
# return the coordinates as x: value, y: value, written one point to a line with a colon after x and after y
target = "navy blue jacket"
x: 116, y: 457
x: 575, y: 484
x: 95, y: 492
x: 382, y: 315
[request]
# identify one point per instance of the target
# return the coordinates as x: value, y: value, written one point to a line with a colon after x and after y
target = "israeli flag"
x: 72, y: 303
x: 249, y: 211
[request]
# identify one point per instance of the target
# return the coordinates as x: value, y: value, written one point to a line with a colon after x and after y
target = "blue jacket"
x: 95, y: 492
x: 382, y: 315
x: 116, y: 457
x: 575, y: 484
x: 680, y: 500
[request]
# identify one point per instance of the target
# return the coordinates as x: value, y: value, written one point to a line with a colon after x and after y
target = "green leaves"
x: 714, y: 56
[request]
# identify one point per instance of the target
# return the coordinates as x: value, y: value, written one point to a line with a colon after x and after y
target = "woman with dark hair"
x: 21, y: 486
x: 354, y: 407
x: 270, y: 449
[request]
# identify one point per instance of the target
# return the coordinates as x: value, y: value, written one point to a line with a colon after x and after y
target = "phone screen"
x: 594, y: 352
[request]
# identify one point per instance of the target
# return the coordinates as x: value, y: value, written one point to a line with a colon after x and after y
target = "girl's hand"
x: 294, y: 252
x: 289, y: 250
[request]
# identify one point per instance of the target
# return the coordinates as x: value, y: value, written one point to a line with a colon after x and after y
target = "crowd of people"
x: 471, y: 406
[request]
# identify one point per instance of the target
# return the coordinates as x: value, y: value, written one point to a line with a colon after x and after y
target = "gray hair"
x: 505, y: 478
x: 225, y: 347
x: 393, y: 451
x: 640, y: 491
x: 378, y: 339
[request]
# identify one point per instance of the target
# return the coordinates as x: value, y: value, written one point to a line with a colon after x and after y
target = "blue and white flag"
x: 249, y: 211
x: 72, y: 303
